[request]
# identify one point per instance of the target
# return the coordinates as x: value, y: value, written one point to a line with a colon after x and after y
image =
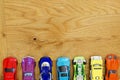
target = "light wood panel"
x: 61, y: 28
x: 3, y: 47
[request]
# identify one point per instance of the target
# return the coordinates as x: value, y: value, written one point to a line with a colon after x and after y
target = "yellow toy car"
x: 96, y: 71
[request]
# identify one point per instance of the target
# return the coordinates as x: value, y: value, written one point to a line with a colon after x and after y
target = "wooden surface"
x: 58, y: 28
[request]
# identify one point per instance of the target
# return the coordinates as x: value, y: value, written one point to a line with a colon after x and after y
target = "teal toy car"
x: 63, y: 68
x: 79, y: 68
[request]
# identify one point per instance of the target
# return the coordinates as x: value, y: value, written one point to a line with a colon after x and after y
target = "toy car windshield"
x: 63, y: 74
x: 9, y: 69
x: 112, y: 72
x: 45, y: 64
x: 63, y: 68
x: 97, y: 65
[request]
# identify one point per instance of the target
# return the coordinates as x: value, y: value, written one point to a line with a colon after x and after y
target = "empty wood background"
x: 58, y: 28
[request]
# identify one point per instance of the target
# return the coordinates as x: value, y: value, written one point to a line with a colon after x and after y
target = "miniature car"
x: 10, y: 68
x: 96, y: 71
x: 63, y: 68
x: 28, y: 68
x: 79, y: 68
x: 45, y: 66
x: 112, y: 66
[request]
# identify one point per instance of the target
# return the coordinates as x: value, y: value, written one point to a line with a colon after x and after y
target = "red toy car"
x: 112, y: 66
x: 10, y: 68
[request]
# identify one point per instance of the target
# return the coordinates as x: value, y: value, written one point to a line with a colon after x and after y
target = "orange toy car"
x: 112, y: 66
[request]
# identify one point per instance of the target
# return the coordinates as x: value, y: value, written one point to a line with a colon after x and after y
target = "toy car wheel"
x: 73, y: 62
x: 104, y: 78
x: 84, y: 62
x: 90, y: 75
x: 90, y: 63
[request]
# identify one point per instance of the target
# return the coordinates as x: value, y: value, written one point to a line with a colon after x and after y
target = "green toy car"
x: 79, y: 68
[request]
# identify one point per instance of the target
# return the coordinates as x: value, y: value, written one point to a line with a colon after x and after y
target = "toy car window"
x: 111, y: 72
x: 97, y: 65
x: 63, y: 74
x: 9, y: 69
x: 63, y: 68
x: 28, y: 74
x: 97, y: 68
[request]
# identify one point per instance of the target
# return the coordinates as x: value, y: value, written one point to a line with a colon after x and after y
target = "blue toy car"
x: 45, y: 66
x: 63, y: 68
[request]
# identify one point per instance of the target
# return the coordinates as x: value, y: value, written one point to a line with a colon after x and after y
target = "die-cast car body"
x: 10, y: 68
x: 112, y: 63
x: 79, y: 68
x: 45, y: 66
x: 63, y: 68
x: 28, y: 68
x: 96, y: 71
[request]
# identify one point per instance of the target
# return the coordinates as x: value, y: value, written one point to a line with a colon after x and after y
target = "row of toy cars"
x: 63, y: 68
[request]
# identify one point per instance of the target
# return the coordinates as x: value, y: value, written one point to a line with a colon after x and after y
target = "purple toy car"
x: 28, y: 66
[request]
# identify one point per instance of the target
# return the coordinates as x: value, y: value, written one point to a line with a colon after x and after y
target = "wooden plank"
x: 61, y: 28
x: 0, y: 38
x: 3, y: 47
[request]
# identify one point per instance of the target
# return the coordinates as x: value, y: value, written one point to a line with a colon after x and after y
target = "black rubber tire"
x: 85, y: 62
x: 73, y: 62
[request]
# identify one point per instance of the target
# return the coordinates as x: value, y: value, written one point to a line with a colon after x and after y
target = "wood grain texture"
x: 3, y: 47
x: 61, y: 28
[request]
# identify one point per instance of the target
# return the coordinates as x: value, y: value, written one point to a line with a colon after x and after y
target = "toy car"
x: 45, y: 66
x: 28, y: 65
x: 10, y: 68
x: 112, y: 66
x: 79, y: 68
x: 96, y: 71
x: 63, y: 68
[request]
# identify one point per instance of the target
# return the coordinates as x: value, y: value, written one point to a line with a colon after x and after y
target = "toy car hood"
x: 80, y: 60
x: 114, y: 60
x: 63, y: 61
